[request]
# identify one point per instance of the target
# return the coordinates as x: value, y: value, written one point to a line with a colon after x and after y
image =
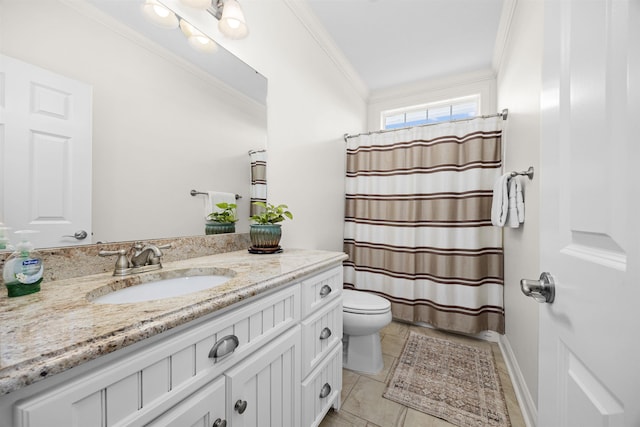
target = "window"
x: 443, y: 111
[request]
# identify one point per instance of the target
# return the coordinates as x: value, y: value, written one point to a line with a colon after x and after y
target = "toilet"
x: 363, y: 314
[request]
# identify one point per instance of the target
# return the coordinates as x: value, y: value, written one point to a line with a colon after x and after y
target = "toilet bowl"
x: 363, y: 315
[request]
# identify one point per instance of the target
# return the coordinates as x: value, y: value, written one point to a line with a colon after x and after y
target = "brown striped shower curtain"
x: 418, y: 223
x: 258, y: 190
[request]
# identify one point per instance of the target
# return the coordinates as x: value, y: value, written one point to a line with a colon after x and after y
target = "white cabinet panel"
x: 320, y: 333
x: 322, y: 388
x: 263, y: 390
x: 321, y: 289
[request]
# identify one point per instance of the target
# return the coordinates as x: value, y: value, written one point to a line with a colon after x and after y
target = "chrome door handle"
x: 78, y: 235
x: 542, y: 290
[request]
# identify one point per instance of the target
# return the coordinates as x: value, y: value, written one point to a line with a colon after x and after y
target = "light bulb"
x: 232, y: 23
x: 159, y: 15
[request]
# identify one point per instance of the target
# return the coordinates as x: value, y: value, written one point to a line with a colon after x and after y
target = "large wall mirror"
x: 164, y: 119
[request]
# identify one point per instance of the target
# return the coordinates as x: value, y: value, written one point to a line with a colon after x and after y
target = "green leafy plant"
x: 271, y: 214
x: 226, y: 214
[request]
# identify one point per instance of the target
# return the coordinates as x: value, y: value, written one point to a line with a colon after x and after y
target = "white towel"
x: 213, y: 198
x: 516, y: 202
x: 500, y: 202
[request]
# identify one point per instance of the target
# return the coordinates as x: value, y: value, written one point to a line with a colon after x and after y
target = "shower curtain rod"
x: 504, y: 113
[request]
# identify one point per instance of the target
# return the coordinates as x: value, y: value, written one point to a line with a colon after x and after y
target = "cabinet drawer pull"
x: 219, y: 423
x: 224, y: 346
x: 325, y: 290
x: 325, y: 391
x: 326, y: 333
x: 240, y: 406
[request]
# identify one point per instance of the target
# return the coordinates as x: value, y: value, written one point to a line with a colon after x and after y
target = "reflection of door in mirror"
x: 46, y: 158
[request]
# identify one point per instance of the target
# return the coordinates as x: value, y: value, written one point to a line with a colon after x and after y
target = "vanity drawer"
x: 322, y: 388
x: 321, y: 289
x: 136, y: 389
x: 320, y: 333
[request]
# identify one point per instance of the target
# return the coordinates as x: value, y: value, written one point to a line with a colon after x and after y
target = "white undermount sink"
x: 161, y: 288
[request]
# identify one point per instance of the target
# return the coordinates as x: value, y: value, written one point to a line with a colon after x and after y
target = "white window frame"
x: 452, y: 102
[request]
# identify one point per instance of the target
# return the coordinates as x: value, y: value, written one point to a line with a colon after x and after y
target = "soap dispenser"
x: 23, y: 270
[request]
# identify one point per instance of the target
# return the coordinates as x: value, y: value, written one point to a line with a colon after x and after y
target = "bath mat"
x: 456, y: 382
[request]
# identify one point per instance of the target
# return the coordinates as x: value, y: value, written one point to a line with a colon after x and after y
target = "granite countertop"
x: 59, y: 327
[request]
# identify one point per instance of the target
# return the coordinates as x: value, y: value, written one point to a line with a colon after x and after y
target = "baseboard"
x: 525, y: 400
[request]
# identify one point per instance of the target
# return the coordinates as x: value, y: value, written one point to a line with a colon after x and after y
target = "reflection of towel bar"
x: 195, y: 193
x: 528, y: 172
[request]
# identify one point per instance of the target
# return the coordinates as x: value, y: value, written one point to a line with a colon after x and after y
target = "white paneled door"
x: 45, y: 142
x: 590, y: 214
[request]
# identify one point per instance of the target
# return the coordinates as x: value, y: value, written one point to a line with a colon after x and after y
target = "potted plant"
x: 222, y: 221
x: 265, y: 232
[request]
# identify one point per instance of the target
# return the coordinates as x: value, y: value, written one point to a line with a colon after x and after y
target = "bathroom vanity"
x: 262, y: 349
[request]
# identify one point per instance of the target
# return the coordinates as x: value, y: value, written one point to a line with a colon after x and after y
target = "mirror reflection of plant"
x: 226, y: 214
x: 271, y: 214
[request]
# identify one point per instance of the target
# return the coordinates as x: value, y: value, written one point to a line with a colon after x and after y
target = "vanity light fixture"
x: 231, y: 21
x: 159, y: 14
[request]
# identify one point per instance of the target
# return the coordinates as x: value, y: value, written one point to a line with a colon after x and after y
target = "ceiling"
x: 390, y: 43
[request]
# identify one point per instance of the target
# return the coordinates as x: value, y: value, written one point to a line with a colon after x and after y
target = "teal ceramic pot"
x: 219, y: 227
x: 265, y: 235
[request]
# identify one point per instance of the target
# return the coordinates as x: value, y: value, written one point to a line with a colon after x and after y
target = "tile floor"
x: 362, y: 401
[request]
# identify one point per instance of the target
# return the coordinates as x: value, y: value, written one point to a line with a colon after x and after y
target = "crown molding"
x: 431, y: 85
x: 302, y: 10
x: 504, y: 33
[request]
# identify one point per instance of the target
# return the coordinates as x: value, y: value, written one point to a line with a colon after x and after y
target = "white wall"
x: 519, y: 87
x: 159, y: 128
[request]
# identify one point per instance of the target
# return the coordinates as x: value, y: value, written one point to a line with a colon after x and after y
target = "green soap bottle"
x: 23, y: 270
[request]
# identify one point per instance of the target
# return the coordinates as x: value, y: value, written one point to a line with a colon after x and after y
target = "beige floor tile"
x: 349, y: 379
x: 396, y: 328
x: 389, y: 364
x: 392, y: 345
x: 419, y: 419
x: 342, y: 419
x: 365, y: 401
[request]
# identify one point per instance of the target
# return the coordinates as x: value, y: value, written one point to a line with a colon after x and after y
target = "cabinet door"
x: 264, y: 390
x: 202, y: 409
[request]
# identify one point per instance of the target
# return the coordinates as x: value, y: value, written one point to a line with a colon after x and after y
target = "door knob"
x: 78, y: 235
x: 542, y: 290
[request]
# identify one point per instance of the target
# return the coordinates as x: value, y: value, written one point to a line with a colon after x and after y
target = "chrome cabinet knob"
x: 219, y: 423
x: 240, y: 406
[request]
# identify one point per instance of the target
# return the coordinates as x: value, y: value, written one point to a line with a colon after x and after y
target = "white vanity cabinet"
x: 267, y: 362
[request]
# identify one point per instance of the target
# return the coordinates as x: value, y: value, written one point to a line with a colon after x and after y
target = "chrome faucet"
x: 138, y: 259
